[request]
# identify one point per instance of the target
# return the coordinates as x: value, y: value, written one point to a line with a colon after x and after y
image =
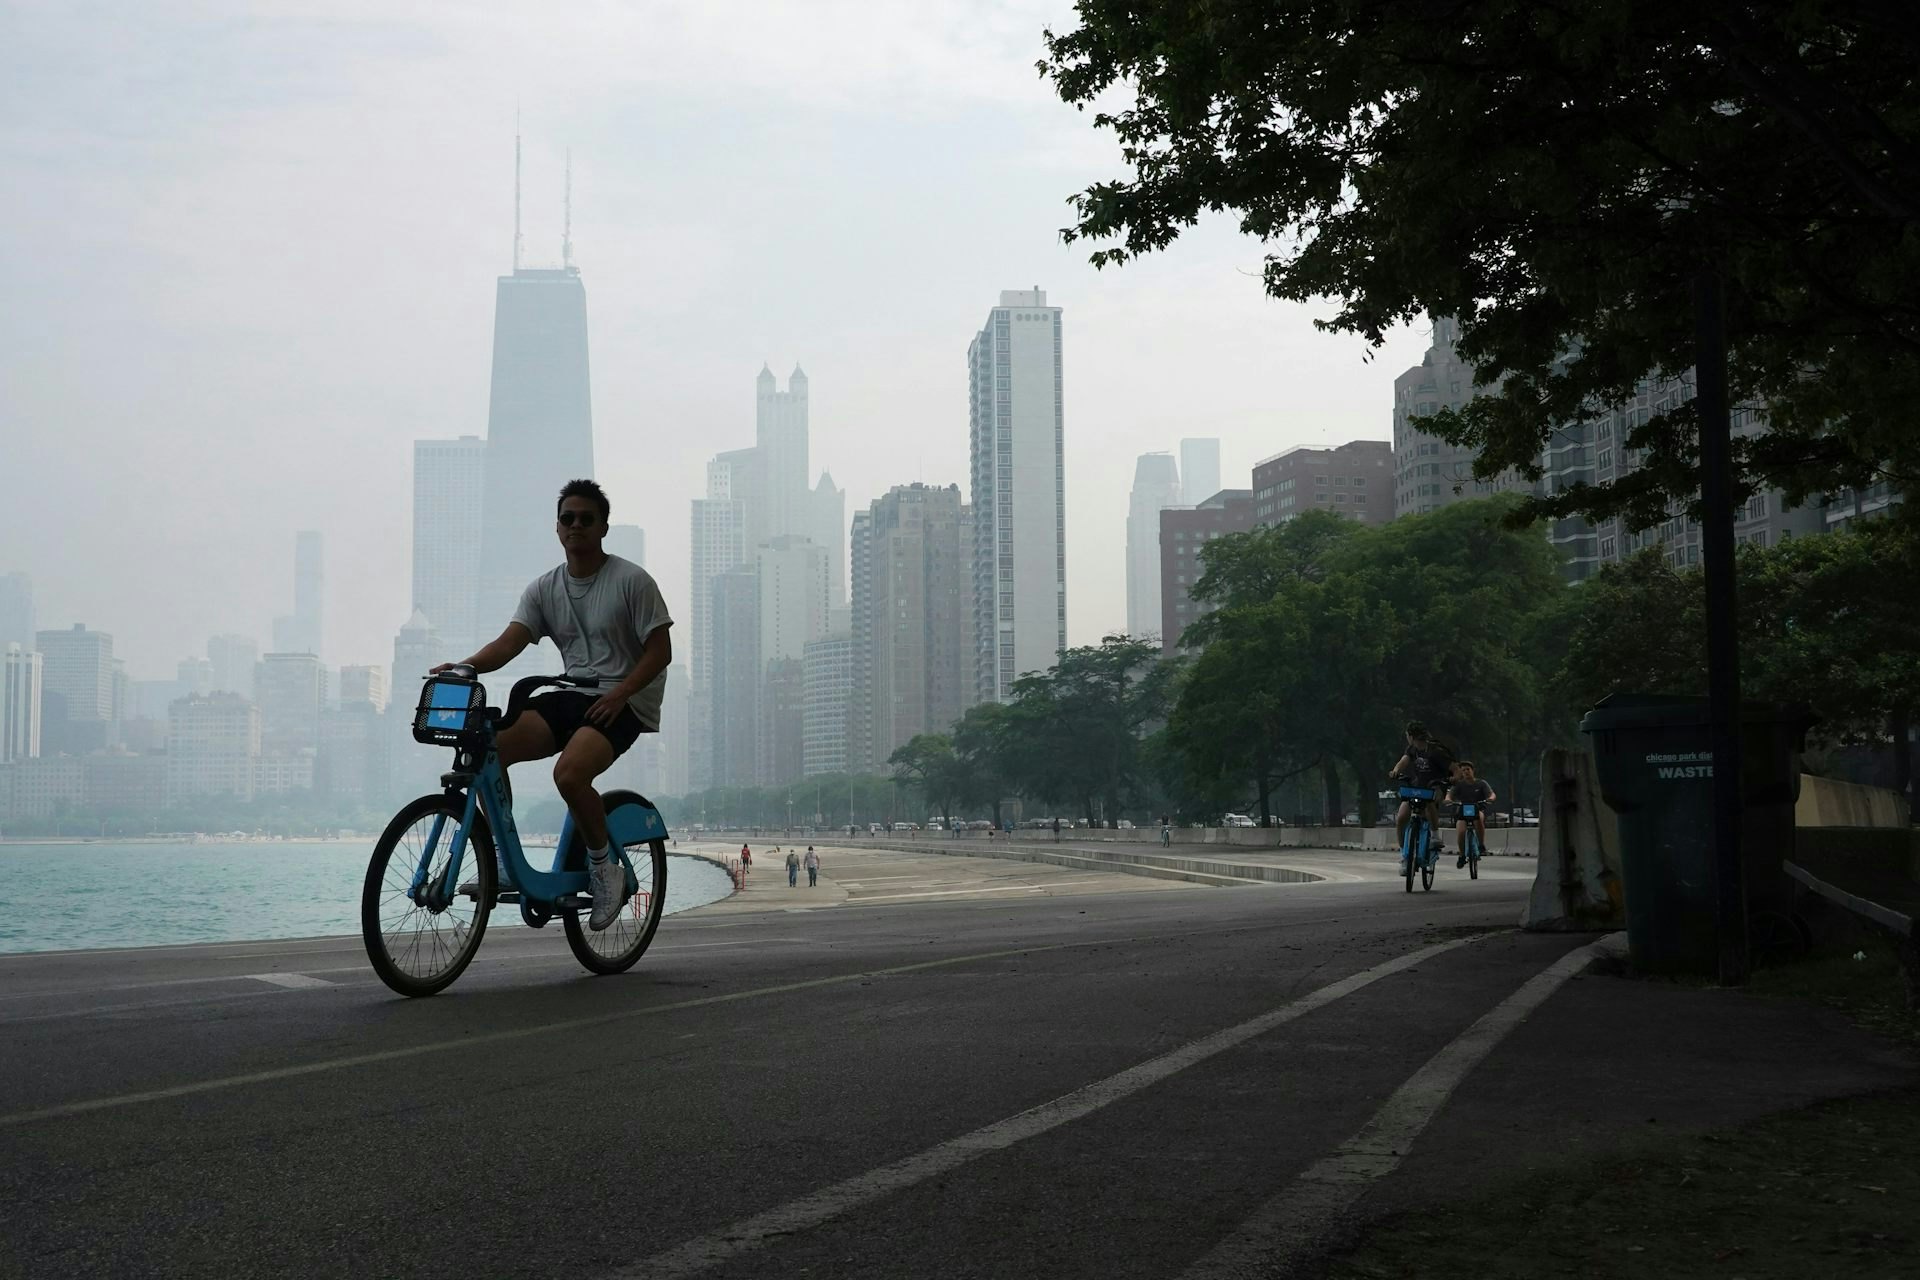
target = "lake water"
x: 60, y: 897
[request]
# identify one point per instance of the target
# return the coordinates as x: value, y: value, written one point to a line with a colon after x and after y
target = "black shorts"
x: 565, y: 711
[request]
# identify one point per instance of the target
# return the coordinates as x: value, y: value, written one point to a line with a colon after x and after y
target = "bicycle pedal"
x: 508, y: 895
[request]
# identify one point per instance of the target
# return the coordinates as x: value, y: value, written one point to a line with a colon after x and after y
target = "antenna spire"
x: 516, y: 189
x: 566, y: 234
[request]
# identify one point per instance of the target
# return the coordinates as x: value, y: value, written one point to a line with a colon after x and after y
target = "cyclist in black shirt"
x: 1427, y: 764
x: 1467, y: 789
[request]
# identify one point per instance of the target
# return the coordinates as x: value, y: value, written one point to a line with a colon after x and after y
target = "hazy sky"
x: 248, y: 252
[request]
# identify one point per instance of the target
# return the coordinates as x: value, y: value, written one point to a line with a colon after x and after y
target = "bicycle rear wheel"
x: 1473, y: 855
x: 418, y: 945
x: 616, y: 948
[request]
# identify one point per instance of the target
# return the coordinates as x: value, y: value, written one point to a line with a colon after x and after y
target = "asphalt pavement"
x: 1094, y: 1077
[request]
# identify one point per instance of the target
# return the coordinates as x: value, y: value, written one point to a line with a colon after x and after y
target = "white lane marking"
x: 296, y: 981
x: 1299, y: 1222
x: 831, y: 1202
x: 947, y: 893
x: 219, y: 1083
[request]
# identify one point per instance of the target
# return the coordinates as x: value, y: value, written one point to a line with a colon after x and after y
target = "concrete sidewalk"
x: 1217, y: 867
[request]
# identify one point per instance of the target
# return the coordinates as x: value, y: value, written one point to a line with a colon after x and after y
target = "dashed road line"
x: 831, y: 1202
x: 1301, y: 1221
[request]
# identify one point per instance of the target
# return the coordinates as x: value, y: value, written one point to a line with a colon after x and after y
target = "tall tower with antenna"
x: 539, y: 416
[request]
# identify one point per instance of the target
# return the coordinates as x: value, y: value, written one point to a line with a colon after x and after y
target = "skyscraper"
x: 736, y: 671
x: 1156, y: 486
x: 719, y: 545
x: 919, y: 603
x: 16, y: 610
x: 76, y: 699
x: 1184, y: 533
x: 780, y: 440
x: 449, y: 485
x: 1017, y: 423
x: 860, y: 629
x: 1199, y: 470
x: 828, y: 528
x: 301, y: 630
x: 233, y: 659
x: 539, y: 430
x: 290, y: 694
x: 19, y: 703
x: 828, y: 664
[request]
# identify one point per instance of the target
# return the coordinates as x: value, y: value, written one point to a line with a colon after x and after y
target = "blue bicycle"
x: 434, y: 877
x: 1470, y: 844
x: 1418, y: 849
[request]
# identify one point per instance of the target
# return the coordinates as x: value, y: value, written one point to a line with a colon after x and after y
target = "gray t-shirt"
x: 598, y: 624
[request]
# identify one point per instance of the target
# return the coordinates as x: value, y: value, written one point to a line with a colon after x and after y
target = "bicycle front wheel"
x: 616, y: 948
x: 1473, y: 857
x: 419, y: 944
x: 1410, y: 852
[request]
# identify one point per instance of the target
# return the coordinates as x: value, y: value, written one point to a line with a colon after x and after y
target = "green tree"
x: 928, y: 765
x: 1555, y: 177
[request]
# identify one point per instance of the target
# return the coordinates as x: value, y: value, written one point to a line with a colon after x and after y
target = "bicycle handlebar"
x: 522, y: 690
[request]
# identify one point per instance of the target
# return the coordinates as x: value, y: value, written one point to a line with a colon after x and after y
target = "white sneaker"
x: 608, y: 880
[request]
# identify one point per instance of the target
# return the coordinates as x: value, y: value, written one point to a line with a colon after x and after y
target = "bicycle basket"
x: 451, y: 712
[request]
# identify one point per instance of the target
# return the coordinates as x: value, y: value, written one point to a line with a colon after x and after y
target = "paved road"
x: 1060, y: 1083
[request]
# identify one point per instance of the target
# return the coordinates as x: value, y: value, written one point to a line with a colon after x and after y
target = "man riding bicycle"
x: 607, y: 618
x: 1467, y: 789
x: 1426, y: 767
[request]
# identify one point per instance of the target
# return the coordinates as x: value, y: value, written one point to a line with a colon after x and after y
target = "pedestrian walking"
x: 812, y: 862
x: 1056, y: 831
x: 746, y: 858
x: 793, y: 869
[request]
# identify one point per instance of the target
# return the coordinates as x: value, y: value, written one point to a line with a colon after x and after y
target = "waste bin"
x: 1654, y: 758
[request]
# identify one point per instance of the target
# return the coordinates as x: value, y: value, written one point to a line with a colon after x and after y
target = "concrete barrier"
x: 1576, y: 884
x: 1827, y: 802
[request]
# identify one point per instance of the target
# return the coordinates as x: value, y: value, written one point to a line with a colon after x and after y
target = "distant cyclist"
x: 1426, y: 765
x: 611, y: 626
x: 1468, y: 789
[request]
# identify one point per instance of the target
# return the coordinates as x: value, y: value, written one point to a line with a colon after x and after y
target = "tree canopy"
x: 1554, y: 177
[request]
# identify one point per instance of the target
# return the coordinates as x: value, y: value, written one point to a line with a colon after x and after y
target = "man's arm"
x: 656, y: 654
x: 497, y: 652
x: 1399, y: 768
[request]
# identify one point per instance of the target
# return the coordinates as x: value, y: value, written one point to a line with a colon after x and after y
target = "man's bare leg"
x: 527, y: 738
x: 1400, y: 825
x: 588, y: 755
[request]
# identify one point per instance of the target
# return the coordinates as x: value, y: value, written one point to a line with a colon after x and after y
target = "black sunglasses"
x: 585, y: 519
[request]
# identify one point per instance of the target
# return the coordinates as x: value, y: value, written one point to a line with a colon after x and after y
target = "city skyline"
x: 295, y: 384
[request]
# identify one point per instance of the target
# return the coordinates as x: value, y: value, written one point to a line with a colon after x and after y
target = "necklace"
x: 591, y: 581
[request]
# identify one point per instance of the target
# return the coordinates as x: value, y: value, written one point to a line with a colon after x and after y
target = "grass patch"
x: 1828, y: 1190
x: 1825, y: 1191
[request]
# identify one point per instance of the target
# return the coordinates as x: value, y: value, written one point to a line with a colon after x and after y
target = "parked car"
x: 1238, y: 820
x: 933, y: 824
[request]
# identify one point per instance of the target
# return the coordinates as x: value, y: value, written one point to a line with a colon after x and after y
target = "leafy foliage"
x: 1555, y: 177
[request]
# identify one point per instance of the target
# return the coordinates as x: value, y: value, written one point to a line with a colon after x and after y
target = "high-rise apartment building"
x: 1156, y: 486
x: 780, y: 441
x: 736, y: 674
x: 1017, y: 416
x: 191, y: 676
x: 539, y: 430
x: 1199, y: 470
x: 1184, y: 533
x: 212, y: 743
x: 1353, y: 480
x: 16, y: 610
x: 363, y: 686
x: 416, y: 647
x: 77, y: 686
x: 449, y: 488
x: 793, y: 595
x: 1429, y: 473
x: 1596, y: 452
x: 20, y: 679
x: 919, y: 631
x: 860, y: 624
x: 828, y: 673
